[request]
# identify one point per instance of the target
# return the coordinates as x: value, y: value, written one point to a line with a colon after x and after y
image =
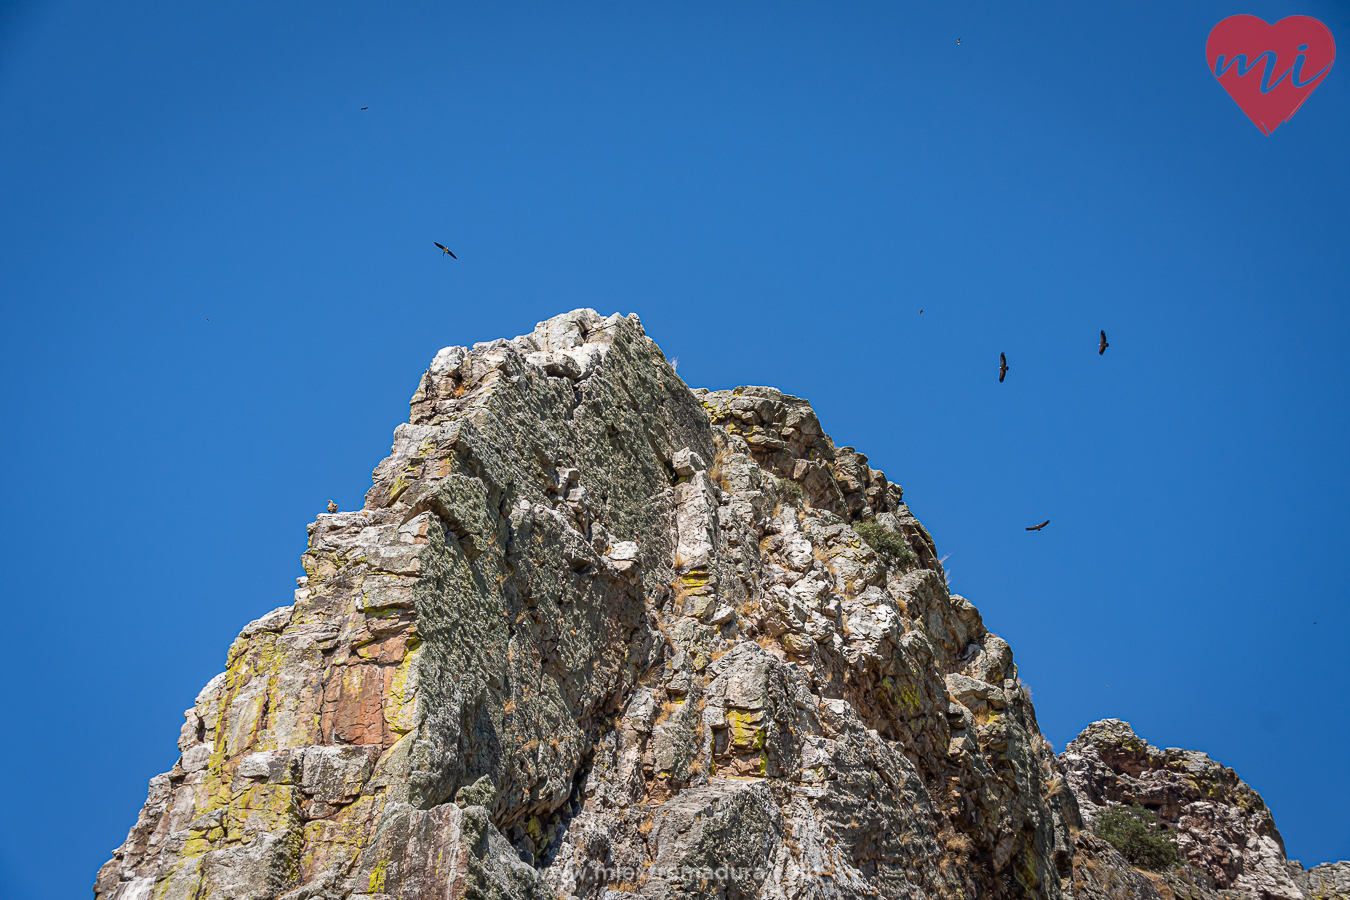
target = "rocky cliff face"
x: 597, y: 635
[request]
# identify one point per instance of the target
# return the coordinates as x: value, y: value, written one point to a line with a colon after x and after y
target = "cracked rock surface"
x: 597, y: 635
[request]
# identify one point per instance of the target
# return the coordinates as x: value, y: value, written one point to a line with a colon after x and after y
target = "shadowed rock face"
x: 597, y: 635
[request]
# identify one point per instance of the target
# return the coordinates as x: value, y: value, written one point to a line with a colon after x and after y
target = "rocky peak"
x: 596, y: 635
x: 1224, y: 832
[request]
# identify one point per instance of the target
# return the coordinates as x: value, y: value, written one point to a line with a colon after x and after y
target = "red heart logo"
x: 1270, y: 69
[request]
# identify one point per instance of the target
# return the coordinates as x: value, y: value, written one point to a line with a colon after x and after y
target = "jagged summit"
x: 597, y: 635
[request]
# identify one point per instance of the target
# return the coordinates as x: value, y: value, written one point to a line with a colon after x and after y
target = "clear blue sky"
x: 776, y: 189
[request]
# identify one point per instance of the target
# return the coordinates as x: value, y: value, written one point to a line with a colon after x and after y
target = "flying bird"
x: 1002, y: 367
x: 445, y: 249
x: 332, y: 507
x: 365, y: 107
x: 1104, y: 345
x: 958, y: 41
x: 1040, y: 526
x: 920, y: 312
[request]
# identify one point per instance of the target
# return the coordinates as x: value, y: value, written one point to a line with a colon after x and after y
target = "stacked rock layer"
x: 597, y: 635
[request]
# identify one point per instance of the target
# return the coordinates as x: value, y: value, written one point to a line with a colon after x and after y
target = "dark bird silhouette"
x: 1040, y: 526
x: 445, y: 249
x: 332, y: 507
x: 1002, y: 367
x: 920, y: 312
x: 1104, y: 345
x: 958, y: 42
x: 365, y: 107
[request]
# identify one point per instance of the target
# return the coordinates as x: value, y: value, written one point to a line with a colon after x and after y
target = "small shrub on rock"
x: 886, y: 542
x: 1139, y: 837
x: 791, y: 490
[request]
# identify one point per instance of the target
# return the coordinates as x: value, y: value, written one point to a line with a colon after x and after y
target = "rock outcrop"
x: 1329, y: 881
x: 1223, y: 831
x: 597, y: 635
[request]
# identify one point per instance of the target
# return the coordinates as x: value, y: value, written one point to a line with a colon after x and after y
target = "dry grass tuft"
x: 715, y: 473
x: 682, y: 592
x: 956, y: 842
